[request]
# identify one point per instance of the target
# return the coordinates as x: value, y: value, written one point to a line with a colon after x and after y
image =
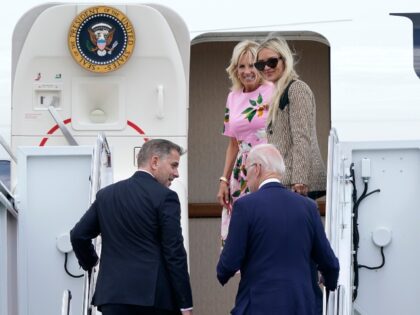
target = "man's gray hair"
x: 269, y: 157
x: 156, y: 147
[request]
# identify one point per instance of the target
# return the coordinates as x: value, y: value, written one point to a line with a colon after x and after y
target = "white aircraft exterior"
x: 367, y: 44
x: 361, y: 58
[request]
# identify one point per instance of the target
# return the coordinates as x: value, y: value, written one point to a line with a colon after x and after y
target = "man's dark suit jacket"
x: 272, y: 237
x: 143, y: 259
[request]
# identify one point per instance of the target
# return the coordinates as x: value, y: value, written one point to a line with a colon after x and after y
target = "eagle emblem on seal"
x: 101, y: 39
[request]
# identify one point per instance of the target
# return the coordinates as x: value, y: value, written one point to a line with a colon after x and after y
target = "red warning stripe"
x: 68, y: 120
x: 136, y: 128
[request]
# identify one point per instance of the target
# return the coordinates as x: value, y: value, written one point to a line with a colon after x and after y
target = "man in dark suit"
x: 143, y: 267
x: 273, y: 235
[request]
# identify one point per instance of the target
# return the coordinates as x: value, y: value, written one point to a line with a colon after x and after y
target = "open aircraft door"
x: 372, y: 215
x: 81, y: 69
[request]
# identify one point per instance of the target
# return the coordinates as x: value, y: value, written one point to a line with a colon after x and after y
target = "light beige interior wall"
x: 209, y: 86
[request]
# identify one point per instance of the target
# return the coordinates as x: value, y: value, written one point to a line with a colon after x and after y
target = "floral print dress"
x: 245, y: 118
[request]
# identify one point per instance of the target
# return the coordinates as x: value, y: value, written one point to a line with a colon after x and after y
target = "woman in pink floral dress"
x: 244, y: 124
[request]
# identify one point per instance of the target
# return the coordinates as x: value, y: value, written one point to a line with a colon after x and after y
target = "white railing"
x: 100, y: 177
x: 8, y: 235
x: 65, y: 305
x: 334, y: 302
x: 56, y: 116
x: 6, y: 147
x: 7, y: 199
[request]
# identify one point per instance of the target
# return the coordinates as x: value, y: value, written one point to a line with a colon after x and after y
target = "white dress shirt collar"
x: 269, y: 180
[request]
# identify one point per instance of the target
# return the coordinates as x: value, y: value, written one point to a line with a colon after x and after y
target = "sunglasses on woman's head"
x: 270, y: 62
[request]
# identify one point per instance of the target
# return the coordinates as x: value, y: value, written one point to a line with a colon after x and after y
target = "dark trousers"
x: 314, y: 270
x: 126, y: 309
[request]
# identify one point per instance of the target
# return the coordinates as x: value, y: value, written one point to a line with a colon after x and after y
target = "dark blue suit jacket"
x: 143, y: 260
x: 273, y: 235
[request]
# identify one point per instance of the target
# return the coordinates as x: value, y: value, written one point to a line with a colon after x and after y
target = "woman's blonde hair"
x: 280, y: 46
x: 242, y: 48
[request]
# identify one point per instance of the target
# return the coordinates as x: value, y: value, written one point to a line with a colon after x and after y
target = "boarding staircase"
x: 100, y: 177
x: 101, y: 168
x: 8, y: 223
x: 101, y: 165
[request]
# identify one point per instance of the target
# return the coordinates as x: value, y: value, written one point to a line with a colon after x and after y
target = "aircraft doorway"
x: 209, y: 86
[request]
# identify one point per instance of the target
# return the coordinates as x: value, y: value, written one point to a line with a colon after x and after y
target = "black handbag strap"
x: 284, y: 99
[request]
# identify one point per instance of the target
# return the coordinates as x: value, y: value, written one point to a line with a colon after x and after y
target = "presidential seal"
x: 101, y: 39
